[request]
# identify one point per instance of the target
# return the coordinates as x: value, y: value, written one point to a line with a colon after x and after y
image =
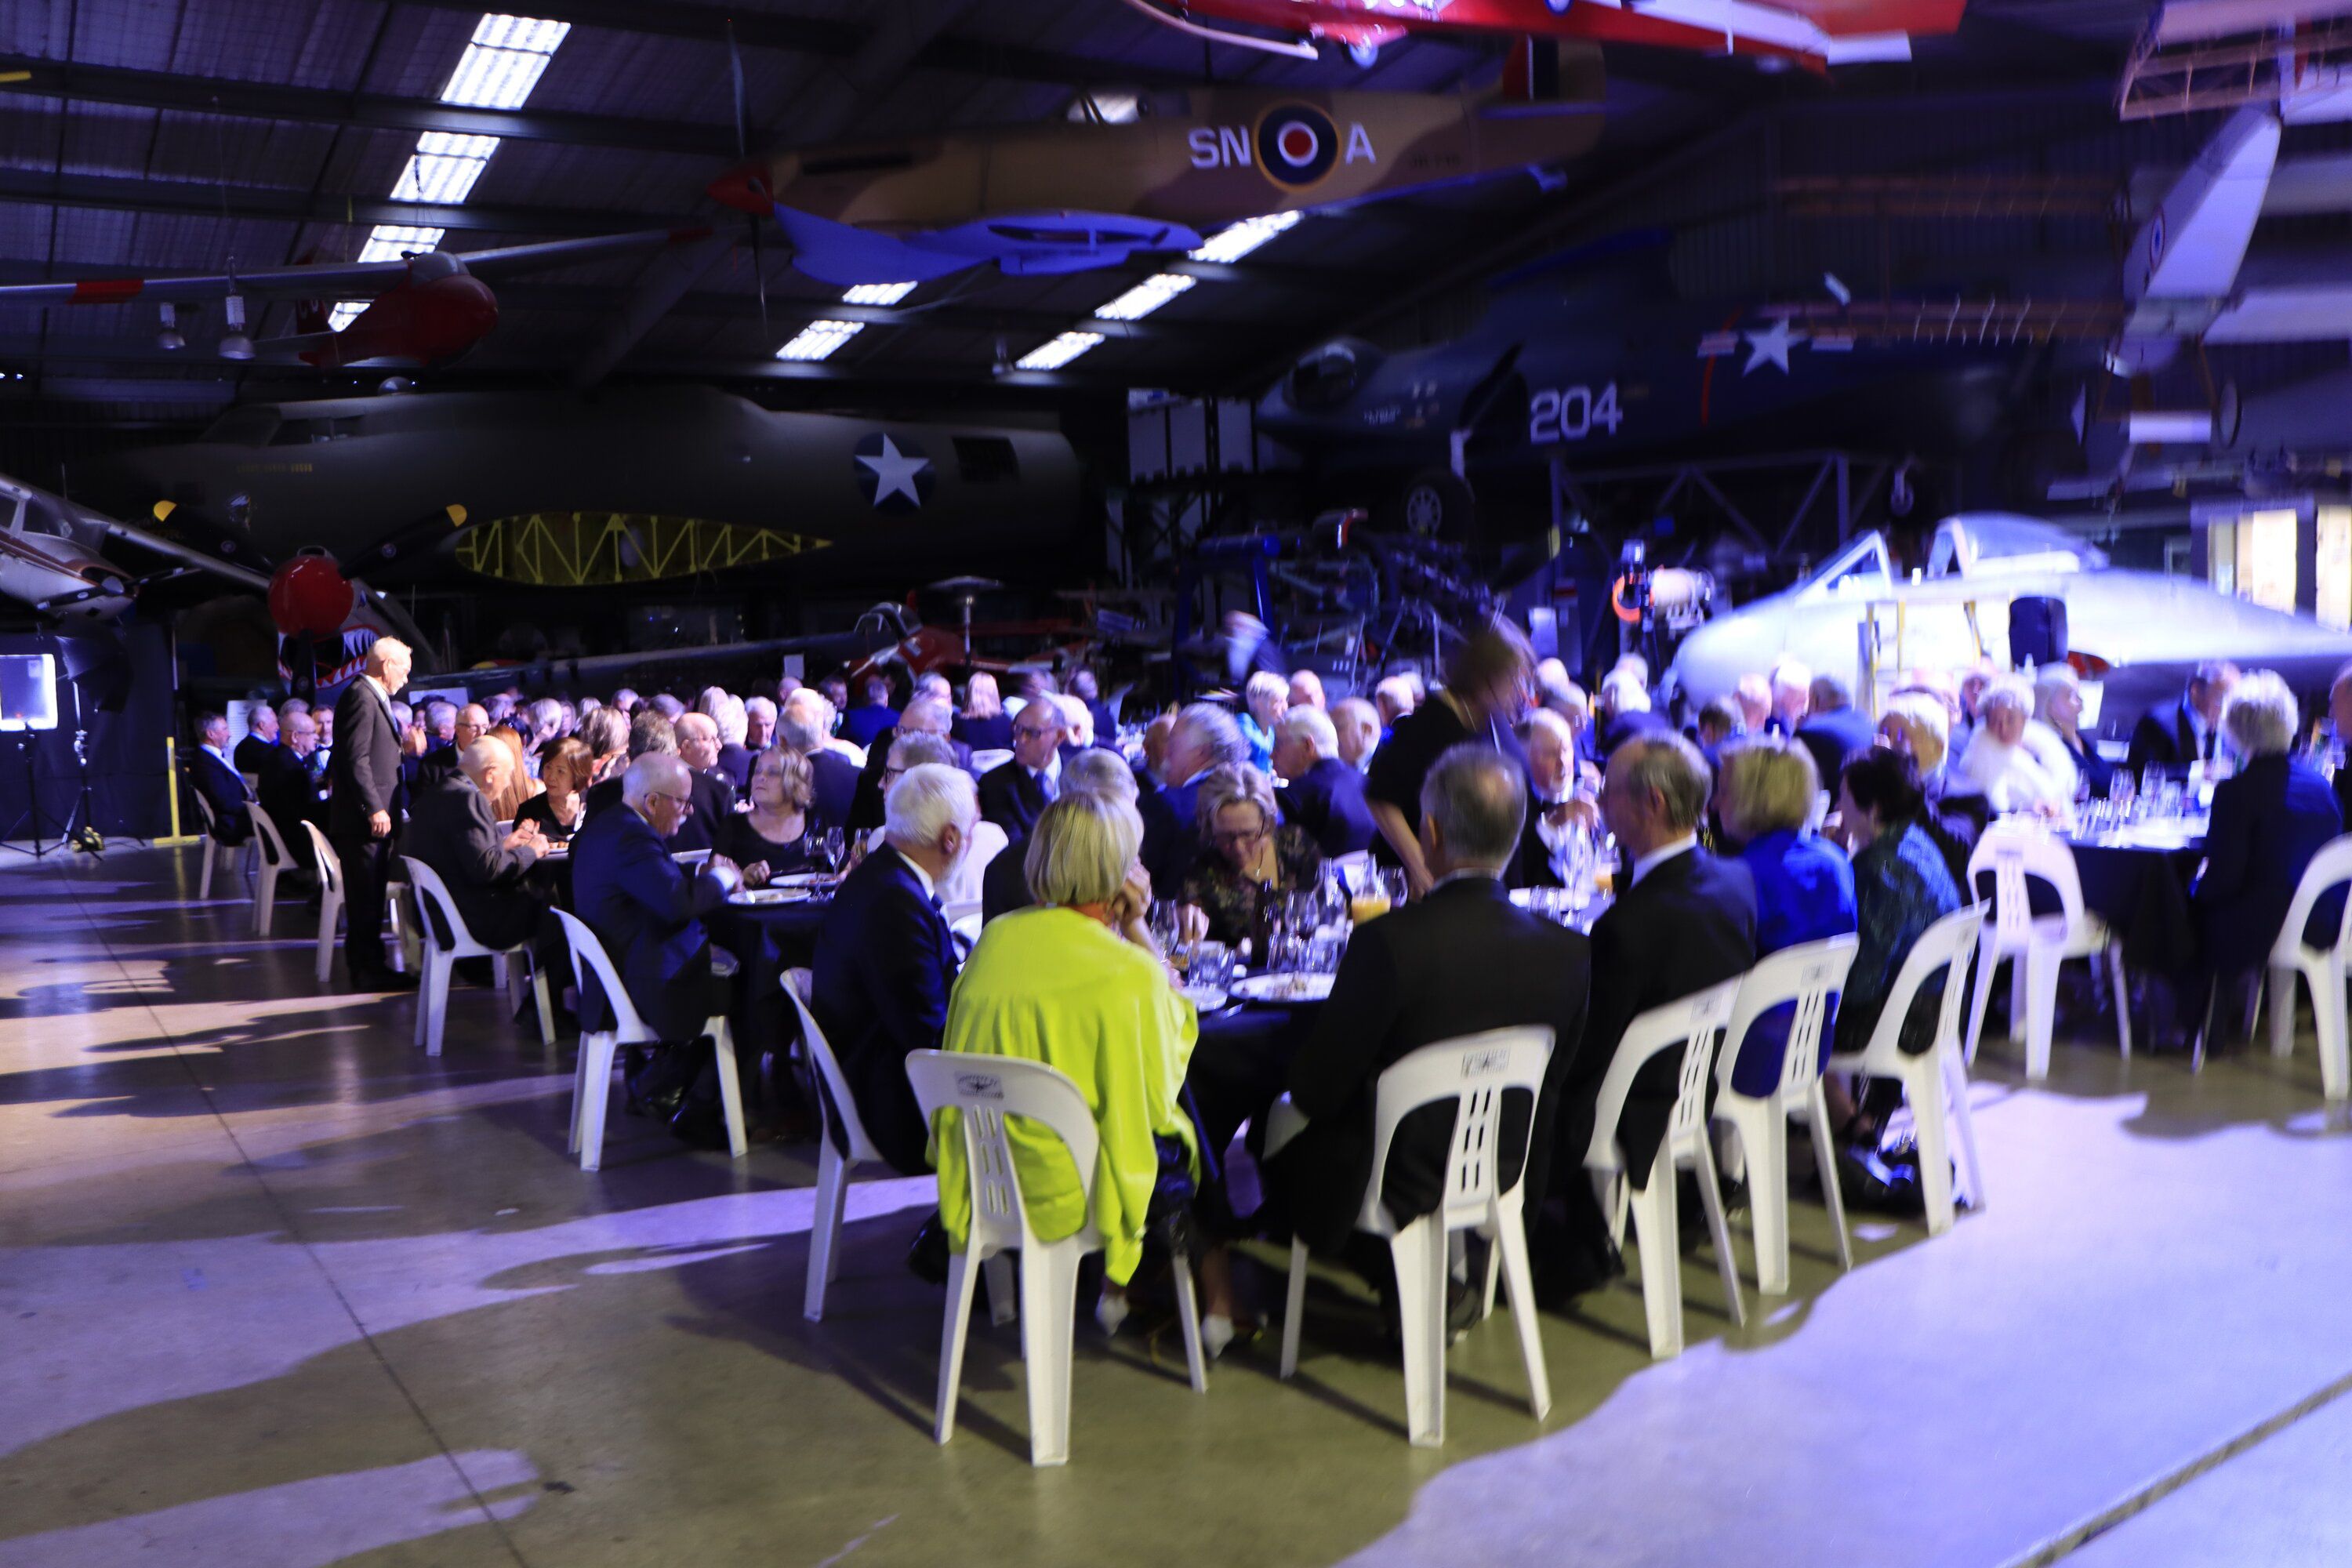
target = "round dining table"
x: 2136, y: 879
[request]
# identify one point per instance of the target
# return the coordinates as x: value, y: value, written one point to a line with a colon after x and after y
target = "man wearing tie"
x: 362, y: 811
x: 1015, y: 795
x: 2172, y: 737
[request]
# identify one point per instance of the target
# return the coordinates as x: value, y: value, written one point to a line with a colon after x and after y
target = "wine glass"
x: 833, y: 844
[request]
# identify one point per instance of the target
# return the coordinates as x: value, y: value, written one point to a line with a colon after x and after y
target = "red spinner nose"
x: 744, y: 188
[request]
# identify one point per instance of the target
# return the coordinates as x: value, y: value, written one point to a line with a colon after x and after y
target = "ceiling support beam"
x: 120, y: 193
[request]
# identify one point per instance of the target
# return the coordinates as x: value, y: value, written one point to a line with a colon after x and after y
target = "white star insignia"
x: 894, y: 473
x: 1772, y: 344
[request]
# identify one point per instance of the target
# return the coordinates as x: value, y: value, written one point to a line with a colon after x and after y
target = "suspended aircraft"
x: 49, y: 559
x: 426, y: 308
x: 1153, y: 172
x: 2138, y: 633
x: 1815, y: 34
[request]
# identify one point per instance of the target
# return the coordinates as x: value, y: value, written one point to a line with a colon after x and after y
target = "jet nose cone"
x: 744, y: 188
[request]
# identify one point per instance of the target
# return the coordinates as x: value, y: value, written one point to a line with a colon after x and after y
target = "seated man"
x: 2171, y: 737
x: 805, y: 725
x: 1622, y: 713
x: 714, y: 796
x: 441, y: 725
x: 1015, y: 795
x: 287, y: 791
x: 1559, y: 808
x: 1324, y: 796
x: 1833, y: 730
x: 885, y: 960
x: 927, y: 714
x: 1682, y: 921
x: 1004, y: 886
x: 649, y: 734
x: 870, y: 717
x: 1204, y: 738
x: 218, y: 779
x: 1460, y: 960
x: 1358, y: 723
x: 253, y: 752
x: 451, y: 828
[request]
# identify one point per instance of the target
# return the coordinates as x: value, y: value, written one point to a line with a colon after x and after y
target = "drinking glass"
x: 1212, y: 966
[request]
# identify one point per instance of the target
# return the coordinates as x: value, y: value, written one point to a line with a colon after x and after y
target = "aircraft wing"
x: 2193, y: 244
x: 845, y: 648
x: 243, y: 576
x: 2317, y: 312
x: 337, y: 279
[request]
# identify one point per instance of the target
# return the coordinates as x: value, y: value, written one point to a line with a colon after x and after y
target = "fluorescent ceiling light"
x: 1145, y: 298
x: 878, y: 293
x: 345, y: 313
x: 1059, y: 352
x: 391, y: 241
x: 503, y: 63
x: 819, y: 339
x: 1233, y: 244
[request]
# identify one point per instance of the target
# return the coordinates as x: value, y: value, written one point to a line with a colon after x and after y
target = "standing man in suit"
x: 1323, y: 795
x: 1015, y: 795
x: 363, y: 814
x: 1833, y: 730
x: 1682, y: 921
x: 928, y: 714
x: 1460, y: 960
x: 253, y: 752
x: 2171, y: 737
x: 1204, y: 738
x: 885, y: 960
x: 452, y: 828
x: 714, y: 796
x: 218, y: 780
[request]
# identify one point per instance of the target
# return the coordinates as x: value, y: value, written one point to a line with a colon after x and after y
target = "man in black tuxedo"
x: 362, y: 814
x: 714, y: 796
x: 1460, y: 960
x: 927, y: 714
x: 286, y: 791
x: 1015, y: 795
x: 805, y: 725
x: 1323, y: 797
x: 253, y: 752
x: 1833, y: 730
x: 1682, y: 921
x: 218, y: 780
x: 885, y: 960
x: 451, y: 829
x: 2171, y: 737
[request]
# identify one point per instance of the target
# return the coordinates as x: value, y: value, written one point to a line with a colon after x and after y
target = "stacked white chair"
x: 2018, y: 854
x: 1473, y: 1072
x: 1936, y: 1082
x: 833, y: 1168
x: 1802, y: 977
x: 591, y: 1080
x: 984, y: 1090
x: 274, y: 860
x: 432, y: 997
x: 2322, y: 968
x: 1692, y: 1026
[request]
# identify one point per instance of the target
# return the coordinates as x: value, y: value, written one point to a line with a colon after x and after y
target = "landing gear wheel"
x: 2229, y: 413
x: 1434, y: 504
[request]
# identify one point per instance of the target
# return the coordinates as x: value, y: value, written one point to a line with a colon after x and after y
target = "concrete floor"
x: 278, y: 1291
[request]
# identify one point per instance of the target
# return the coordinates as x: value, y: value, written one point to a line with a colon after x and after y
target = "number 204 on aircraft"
x: 1571, y: 413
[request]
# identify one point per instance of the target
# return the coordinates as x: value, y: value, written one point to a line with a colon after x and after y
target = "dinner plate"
x: 1284, y: 990
x: 1206, y: 998
x: 800, y: 879
x: 770, y: 896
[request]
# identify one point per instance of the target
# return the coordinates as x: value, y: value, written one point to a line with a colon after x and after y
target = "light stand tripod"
x: 28, y: 707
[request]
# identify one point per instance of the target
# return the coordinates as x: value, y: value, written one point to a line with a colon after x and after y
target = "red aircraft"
x: 1816, y: 34
x: 427, y: 307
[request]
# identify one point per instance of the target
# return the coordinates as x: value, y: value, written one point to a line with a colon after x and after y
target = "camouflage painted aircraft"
x: 1154, y: 174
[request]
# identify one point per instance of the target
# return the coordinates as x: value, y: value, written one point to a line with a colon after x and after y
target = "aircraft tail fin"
x: 310, y: 316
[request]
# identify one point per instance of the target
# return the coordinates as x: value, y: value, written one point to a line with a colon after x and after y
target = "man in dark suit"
x: 362, y: 811
x: 650, y: 731
x: 451, y: 829
x: 1324, y: 796
x: 1682, y: 921
x: 439, y: 760
x: 1084, y: 688
x: 926, y: 715
x: 2171, y: 737
x: 1833, y: 730
x: 1621, y: 714
x: 885, y: 960
x: 1458, y: 962
x: 871, y: 717
x: 714, y: 797
x: 286, y: 791
x: 218, y: 779
x: 252, y: 754
x: 1204, y: 737
x: 1015, y: 795
x: 805, y: 725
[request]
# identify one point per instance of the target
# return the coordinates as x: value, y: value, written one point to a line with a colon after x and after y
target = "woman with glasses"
x: 771, y: 839
x: 1251, y: 854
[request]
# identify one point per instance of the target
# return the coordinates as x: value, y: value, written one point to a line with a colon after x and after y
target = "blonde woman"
x: 1251, y: 854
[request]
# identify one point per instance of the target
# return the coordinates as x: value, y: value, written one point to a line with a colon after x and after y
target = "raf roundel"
x: 893, y: 473
x: 1296, y: 145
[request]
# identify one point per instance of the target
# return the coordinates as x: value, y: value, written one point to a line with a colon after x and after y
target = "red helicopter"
x: 1815, y: 34
x: 427, y: 307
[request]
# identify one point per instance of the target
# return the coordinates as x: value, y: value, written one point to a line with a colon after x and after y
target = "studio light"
x: 236, y: 346
x: 169, y: 340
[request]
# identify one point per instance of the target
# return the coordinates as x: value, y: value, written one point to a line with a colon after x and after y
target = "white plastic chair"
x: 592, y: 1078
x: 984, y: 762
x: 833, y: 1167
x: 1473, y: 1072
x: 2322, y: 968
x: 988, y: 841
x: 1803, y: 976
x: 1694, y: 1026
x: 433, y: 999
x: 1936, y: 1082
x: 252, y: 786
x: 214, y: 850
x: 274, y: 860
x: 984, y: 1090
x: 331, y: 894
x: 2017, y: 853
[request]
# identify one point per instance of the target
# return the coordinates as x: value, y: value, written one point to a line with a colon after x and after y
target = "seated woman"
x: 1915, y: 725
x: 1804, y: 887
x: 983, y: 724
x: 2268, y: 822
x: 2058, y: 704
x: 1076, y: 982
x: 521, y: 786
x: 1251, y: 852
x: 2016, y: 764
x: 564, y: 769
x: 1902, y: 886
x: 771, y: 840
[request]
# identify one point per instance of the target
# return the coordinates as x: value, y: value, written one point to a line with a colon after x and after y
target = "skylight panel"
x: 818, y: 340
x: 878, y: 293
x: 1145, y: 298
x: 1053, y: 355
x: 1233, y: 244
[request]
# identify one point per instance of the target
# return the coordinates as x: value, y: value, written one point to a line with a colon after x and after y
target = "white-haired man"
x: 1323, y: 798
x: 735, y: 753
x: 758, y: 724
x: 363, y: 810
x: 1358, y: 723
x: 806, y: 726
x: 252, y: 753
x: 714, y: 797
x: 885, y: 961
x: 453, y: 828
x: 1623, y: 712
x: 928, y: 713
x: 1203, y: 737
